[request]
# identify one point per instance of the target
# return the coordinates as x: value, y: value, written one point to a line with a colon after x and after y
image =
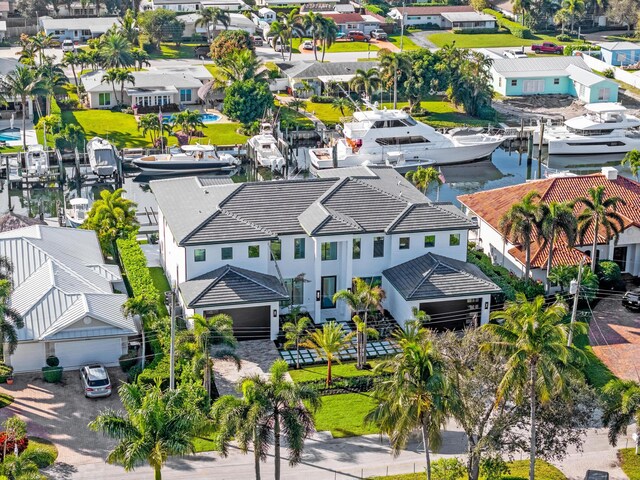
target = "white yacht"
x: 393, y: 137
x: 78, y: 213
x: 264, y: 148
x: 36, y: 160
x: 195, y: 161
x: 103, y: 157
x: 605, y: 128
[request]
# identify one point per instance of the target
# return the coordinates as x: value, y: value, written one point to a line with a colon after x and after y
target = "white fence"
x: 620, y: 74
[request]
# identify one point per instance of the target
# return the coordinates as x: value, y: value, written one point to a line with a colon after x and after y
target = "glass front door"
x: 328, y: 290
x: 620, y: 257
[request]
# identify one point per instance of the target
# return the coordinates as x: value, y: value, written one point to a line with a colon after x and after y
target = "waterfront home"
x: 237, y: 21
x: 194, y: 5
x: 620, y: 53
x: 489, y: 207
x: 551, y: 75
x: 347, y: 22
x: 431, y: 16
x: 67, y: 298
x: 76, y: 29
x: 77, y: 9
x: 253, y: 249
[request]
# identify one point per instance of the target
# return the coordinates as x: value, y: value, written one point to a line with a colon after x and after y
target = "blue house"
x: 516, y: 77
x: 620, y: 53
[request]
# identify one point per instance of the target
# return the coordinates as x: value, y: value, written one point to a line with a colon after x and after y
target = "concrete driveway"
x: 60, y: 413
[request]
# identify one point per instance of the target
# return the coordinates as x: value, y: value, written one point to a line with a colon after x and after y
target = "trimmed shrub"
x: 472, y: 31
x: 585, y: 47
x: 68, y: 104
x: 563, y: 38
x: 52, y: 361
x: 128, y: 361
x: 22, y: 445
x: 514, y: 28
x: 424, y: 26
x: 157, y: 373
x: 321, y: 99
x: 363, y: 383
x: 133, y: 373
x: 609, y: 73
x: 52, y: 374
x: 135, y: 266
x: 609, y: 275
x: 5, y: 372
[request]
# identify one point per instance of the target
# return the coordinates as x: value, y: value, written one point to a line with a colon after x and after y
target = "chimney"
x: 610, y: 173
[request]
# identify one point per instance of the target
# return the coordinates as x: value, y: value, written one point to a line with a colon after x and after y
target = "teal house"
x: 515, y: 77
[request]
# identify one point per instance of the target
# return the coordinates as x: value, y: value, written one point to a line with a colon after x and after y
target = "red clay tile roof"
x: 341, y: 18
x: 491, y: 205
x: 562, y: 255
x: 436, y: 10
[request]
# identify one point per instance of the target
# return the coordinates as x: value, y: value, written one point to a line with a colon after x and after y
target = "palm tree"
x: 295, y: 332
x: 124, y: 76
x: 561, y: 17
x: 112, y: 217
x: 342, y: 104
x: 414, y: 396
x: 147, y: 310
x: 71, y: 59
x: 328, y: 34
x: 562, y: 275
x: 129, y: 26
x: 621, y: 407
x: 394, y: 65
x: 365, y: 80
x: 532, y: 338
x: 312, y: 23
x: 156, y: 425
x: 519, y: 225
x: 328, y: 342
x: 297, y: 104
x: 363, y: 297
x: 150, y: 123
x: 599, y: 213
x: 22, y: 83
x: 115, y: 51
x: 140, y: 58
x: 281, y: 34
x: 52, y: 81
x: 188, y: 121
x: 293, y: 22
x: 111, y: 76
x: 25, y: 465
x: 632, y: 159
x: 281, y: 409
x: 556, y: 218
x: 575, y: 9
x: 41, y: 41
x: 422, y: 178
x: 210, y: 17
x: 239, y: 66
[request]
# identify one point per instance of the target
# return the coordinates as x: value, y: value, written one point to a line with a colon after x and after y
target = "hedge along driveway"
x: 491, y: 40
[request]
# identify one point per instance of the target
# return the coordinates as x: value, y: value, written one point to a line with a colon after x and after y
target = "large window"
x: 329, y: 251
x: 185, y: 95
x: 328, y: 290
x: 295, y: 288
x: 254, y: 251
x: 226, y: 253
x: 405, y: 242
x: 454, y: 239
x: 298, y: 248
x: 199, y: 255
x: 356, y: 249
x: 429, y: 241
x: 104, y: 99
x: 276, y: 249
x: 378, y: 247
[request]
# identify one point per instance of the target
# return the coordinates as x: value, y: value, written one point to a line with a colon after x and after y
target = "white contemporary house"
x: 77, y: 29
x: 489, y: 206
x: 66, y: 297
x: 253, y: 249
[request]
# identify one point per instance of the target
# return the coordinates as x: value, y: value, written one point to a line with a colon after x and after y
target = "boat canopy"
x: 605, y: 107
x: 75, y: 202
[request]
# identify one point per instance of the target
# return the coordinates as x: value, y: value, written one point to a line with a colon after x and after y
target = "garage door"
x: 73, y: 355
x: 452, y: 314
x: 28, y: 357
x: 250, y: 323
x: 533, y: 86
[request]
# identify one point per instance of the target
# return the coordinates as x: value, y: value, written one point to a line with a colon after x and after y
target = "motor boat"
x: 264, y: 148
x: 605, y: 128
x: 195, y: 161
x: 36, y: 160
x: 103, y: 157
x: 382, y: 137
x: 78, y: 213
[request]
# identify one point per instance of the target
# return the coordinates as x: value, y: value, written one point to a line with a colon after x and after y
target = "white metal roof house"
x: 66, y: 298
x: 251, y: 249
x: 318, y: 74
x: 237, y: 21
x: 194, y: 5
x: 79, y: 29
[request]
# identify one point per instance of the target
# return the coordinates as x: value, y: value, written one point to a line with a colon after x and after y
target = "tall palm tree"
x: 561, y: 17
x: 556, y: 218
x: 129, y: 26
x: 365, y: 81
x: 532, y: 338
x: 112, y: 217
x: 10, y: 319
x: 147, y: 309
x: 575, y: 9
x: 115, y: 51
x: 364, y: 297
x: 155, y: 426
x: 295, y: 332
x: 71, y: 59
x: 342, y: 104
x: 393, y: 66
x: 293, y: 22
x: 621, y: 407
x: 111, y: 76
x: 423, y: 178
x: 210, y: 17
x: 281, y: 35
x: 150, y: 123
x: 328, y: 33
x: 124, y: 76
x: 328, y: 342
x: 519, y: 224
x: 632, y: 159
x: 188, y: 121
x: 52, y: 81
x: 22, y: 83
x: 600, y: 213
x: 414, y: 396
x: 279, y: 402
x: 41, y: 41
x: 312, y: 23
x: 239, y: 66
x: 140, y: 58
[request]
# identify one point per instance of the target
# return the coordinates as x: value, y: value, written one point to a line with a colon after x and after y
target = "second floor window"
x: 199, y: 255
x: 378, y: 247
x: 226, y: 253
x: 298, y: 248
x: 404, y: 243
x: 356, y: 249
x: 454, y: 239
x: 276, y: 249
x: 429, y: 241
x: 329, y: 251
x: 254, y: 251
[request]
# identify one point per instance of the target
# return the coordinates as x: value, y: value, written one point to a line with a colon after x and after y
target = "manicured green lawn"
x: 339, y: 46
x: 630, y: 462
x: 343, y: 415
x: 519, y: 470
x: 326, y: 112
x: 290, y: 115
x: 46, y: 445
x: 488, y: 40
x: 596, y: 372
x: 204, y: 444
x: 407, y: 42
x: 171, y: 51
x: 159, y: 279
x: 5, y: 400
x: 319, y: 372
x: 219, y: 134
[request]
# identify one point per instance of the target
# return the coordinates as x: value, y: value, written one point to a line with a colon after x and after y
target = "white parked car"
x: 307, y: 45
x: 514, y: 54
x: 68, y: 46
x: 95, y: 381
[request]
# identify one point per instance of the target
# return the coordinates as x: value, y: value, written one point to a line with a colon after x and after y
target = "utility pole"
x: 404, y: 3
x: 575, y: 289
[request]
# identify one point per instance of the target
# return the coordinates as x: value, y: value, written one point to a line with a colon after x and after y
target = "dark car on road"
x: 631, y: 299
x: 596, y: 475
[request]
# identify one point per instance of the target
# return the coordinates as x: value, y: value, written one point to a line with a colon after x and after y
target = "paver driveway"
x: 60, y: 413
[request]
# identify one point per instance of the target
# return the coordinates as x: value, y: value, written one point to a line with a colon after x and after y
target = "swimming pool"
x: 205, y: 117
x: 10, y: 135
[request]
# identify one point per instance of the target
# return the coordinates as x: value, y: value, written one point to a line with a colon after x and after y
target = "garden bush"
x: 135, y: 266
x: 585, y: 47
x: 514, y: 28
x: 5, y: 372
x: 473, y: 31
x: 424, y: 26
x: 133, y: 373
x: 157, y: 373
x: 22, y: 445
x: 52, y: 361
x: 363, y: 383
x: 128, y: 361
x: 609, y: 275
x: 52, y: 374
x: 68, y: 104
x: 609, y: 73
x: 563, y: 38
x: 321, y: 99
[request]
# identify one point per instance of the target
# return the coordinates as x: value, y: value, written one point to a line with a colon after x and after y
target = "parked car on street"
x: 548, y: 47
x: 279, y: 47
x: 378, y: 34
x: 257, y: 41
x: 202, y: 51
x: 514, y: 54
x: 95, y: 381
x: 308, y: 45
x: 631, y: 299
x: 357, y: 36
x: 68, y: 46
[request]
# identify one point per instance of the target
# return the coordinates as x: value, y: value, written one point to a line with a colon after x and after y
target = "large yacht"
x: 264, y: 148
x: 605, y: 128
x: 393, y: 137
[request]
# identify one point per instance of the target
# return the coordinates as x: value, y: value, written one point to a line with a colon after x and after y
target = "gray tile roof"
x: 317, y: 69
x: 434, y: 276
x: 231, y: 285
x: 371, y: 199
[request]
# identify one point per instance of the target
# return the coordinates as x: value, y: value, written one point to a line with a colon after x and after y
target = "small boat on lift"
x: 78, y: 213
x: 36, y: 160
x: 103, y: 157
x: 264, y: 148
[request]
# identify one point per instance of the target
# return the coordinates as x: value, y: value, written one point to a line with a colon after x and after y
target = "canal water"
x: 504, y: 168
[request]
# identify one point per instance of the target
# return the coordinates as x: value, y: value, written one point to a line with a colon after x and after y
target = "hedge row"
x: 472, y: 31
x: 135, y: 266
x: 569, y: 49
x: 515, y: 28
x: 362, y: 383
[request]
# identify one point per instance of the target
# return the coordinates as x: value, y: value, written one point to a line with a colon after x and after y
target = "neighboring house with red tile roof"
x: 489, y: 206
x: 438, y: 16
x: 347, y: 22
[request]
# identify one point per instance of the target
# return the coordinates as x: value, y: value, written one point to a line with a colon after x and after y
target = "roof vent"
x: 610, y: 173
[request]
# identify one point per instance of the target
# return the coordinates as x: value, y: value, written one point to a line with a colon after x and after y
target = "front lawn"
x: 218, y: 134
x: 319, y: 372
x: 407, y: 42
x: 339, y: 46
x: 595, y: 371
x: 170, y: 51
x: 326, y: 113
x: 630, y: 463
x: 45, y: 445
x: 488, y: 40
x: 343, y: 415
x: 5, y: 400
x: 204, y: 444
